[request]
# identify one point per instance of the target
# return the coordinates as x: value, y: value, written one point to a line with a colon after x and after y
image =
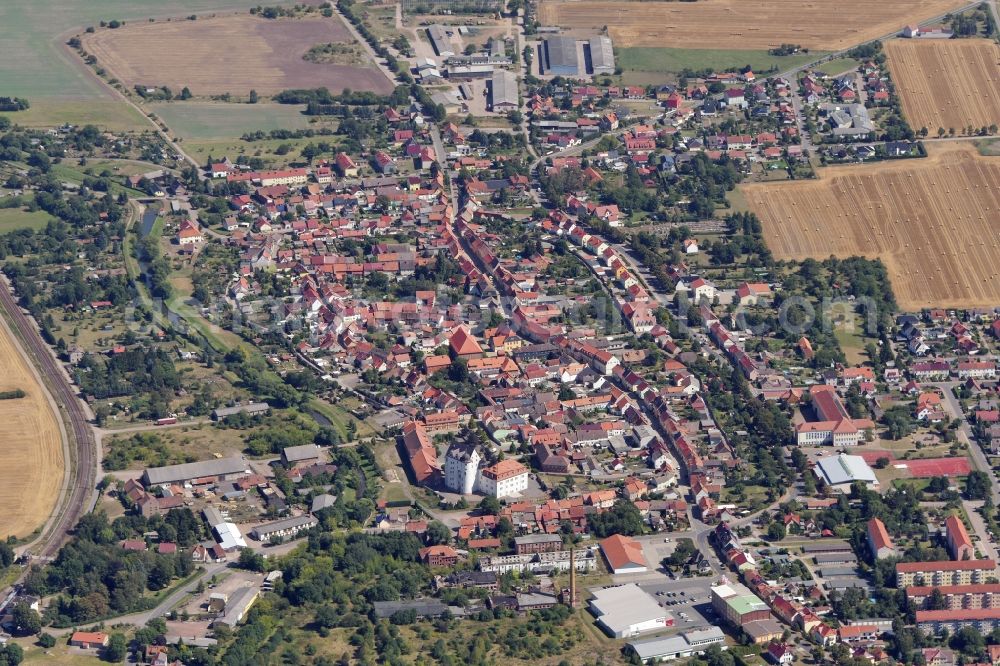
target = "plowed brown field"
x: 30, y: 445
x: 934, y: 222
x: 231, y: 54
x: 743, y: 24
x: 949, y: 83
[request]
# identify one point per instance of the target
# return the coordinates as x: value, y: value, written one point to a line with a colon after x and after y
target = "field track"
x: 231, y: 54
x: 744, y: 24
x: 31, y: 445
x: 934, y: 222
x: 949, y: 83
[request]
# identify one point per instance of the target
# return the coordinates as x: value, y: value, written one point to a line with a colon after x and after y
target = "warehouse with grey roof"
x: 503, y: 91
x: 602, y: 55
x: 220, y: 469
x: 441, y: 41
x: 561, y: 56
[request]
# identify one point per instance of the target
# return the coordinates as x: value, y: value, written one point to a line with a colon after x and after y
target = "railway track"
x: 76, y: 501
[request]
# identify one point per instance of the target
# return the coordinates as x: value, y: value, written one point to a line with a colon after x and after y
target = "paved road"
x: 964, y: 435
x: 81, y: 495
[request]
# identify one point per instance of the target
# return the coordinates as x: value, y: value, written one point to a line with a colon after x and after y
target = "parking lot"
x: 690, y: 596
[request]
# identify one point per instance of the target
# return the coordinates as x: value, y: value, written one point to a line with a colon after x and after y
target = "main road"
x: 79, y: 498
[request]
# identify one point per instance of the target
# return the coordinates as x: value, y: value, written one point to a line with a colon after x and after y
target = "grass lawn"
x: 60, y: 655
x: 339, y: 417
x: 71, y: 172
x: 737, y: 203
x: 852, y: 340
x: 12, y: 219
x: 202, y: 121
x: 110, y: 114
x: 666, y: 60
x: 265, y: 149
x: 838, y: 66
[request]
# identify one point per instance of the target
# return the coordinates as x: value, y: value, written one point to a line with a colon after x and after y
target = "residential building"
x: 959, y: 543
x: 942, y: 572
x: 504, y: 479
x: 89, y: 640
x: 879, y: 542
x: 438, y: 556
x: 537, y: 543
x: 957, y: 597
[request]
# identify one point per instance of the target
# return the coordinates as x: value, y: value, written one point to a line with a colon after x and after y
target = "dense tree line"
x: 94, y: 577
x: 131, y: 372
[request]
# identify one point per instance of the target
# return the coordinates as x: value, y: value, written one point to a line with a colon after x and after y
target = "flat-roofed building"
x: 539, y: 562
x: 738, y: 605
x: 503, y: 91
x: 687, y: 644
x: 602, y: 55
x: 628, y: 610
x: 944, y: 572
x: 561, y: 56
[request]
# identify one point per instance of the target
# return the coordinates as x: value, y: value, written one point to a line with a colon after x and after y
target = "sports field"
x: 932, y: 221
x: 230, y: 54
x: 949, y: 83
x: 30, y: 444
x: 762, y: 24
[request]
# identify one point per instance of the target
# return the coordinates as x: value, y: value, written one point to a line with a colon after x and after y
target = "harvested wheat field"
x: 949, y: 83
x: 230, y: 54
x: 742, y: 24
x: 30, y: 445
x: 934, y: 222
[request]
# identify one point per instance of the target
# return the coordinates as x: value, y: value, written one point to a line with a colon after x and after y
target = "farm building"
x: 220, y: 469
x: 503, y: 91
x: 251, y: 408
x: 441, y: 41
x: 286, y: 528
x: 602, y: 55
x: 561, y: 56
